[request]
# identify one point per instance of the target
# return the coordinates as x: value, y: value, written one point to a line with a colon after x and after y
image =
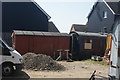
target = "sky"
x: 64, y: 13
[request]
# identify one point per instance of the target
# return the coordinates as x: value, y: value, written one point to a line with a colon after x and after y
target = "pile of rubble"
x: 41, y: 62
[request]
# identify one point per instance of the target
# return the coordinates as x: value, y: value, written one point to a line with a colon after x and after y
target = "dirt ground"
x: 76, y: 69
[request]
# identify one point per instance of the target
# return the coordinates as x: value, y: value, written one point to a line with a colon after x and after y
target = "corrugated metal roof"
x: 39, y: 33
x: 90, y: 34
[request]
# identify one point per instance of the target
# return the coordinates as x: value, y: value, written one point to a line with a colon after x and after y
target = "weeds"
x: 89, y: 61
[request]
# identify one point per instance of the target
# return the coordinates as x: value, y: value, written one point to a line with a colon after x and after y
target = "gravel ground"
x: 76, y: 69
x: 40, y: 62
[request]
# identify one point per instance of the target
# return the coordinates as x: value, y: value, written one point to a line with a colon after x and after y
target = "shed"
x: 48, y: 43
x: 84, y: 45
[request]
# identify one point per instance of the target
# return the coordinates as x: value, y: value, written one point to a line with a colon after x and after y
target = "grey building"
x: 22, y: 16
x: 102, y: 16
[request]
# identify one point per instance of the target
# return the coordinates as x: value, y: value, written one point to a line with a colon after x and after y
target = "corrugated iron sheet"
x: 90, y: 34
x: 38, y: 33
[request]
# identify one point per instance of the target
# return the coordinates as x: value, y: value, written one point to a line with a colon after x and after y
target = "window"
x: 1, y: 48
x: 4, y: 50
x: 105, y: 14
x: 88, y: 44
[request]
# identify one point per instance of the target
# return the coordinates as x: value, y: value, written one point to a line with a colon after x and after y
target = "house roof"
x: 95, y: 4
x: 78, y: 27
x: 41, y: 9
x: 90, y: 34
x: 113, y: 5
x: 28, y: 1
x: 16, y: 0
x: 52, y: 27
x: 38, y: 33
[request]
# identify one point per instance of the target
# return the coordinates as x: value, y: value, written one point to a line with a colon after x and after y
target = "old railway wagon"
x: 85, y: 44
x: 49, y: 43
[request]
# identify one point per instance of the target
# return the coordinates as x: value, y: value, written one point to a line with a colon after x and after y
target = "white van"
x: 10, y: 59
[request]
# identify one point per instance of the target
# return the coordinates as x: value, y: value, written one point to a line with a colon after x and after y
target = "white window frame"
x: 105, y: 14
